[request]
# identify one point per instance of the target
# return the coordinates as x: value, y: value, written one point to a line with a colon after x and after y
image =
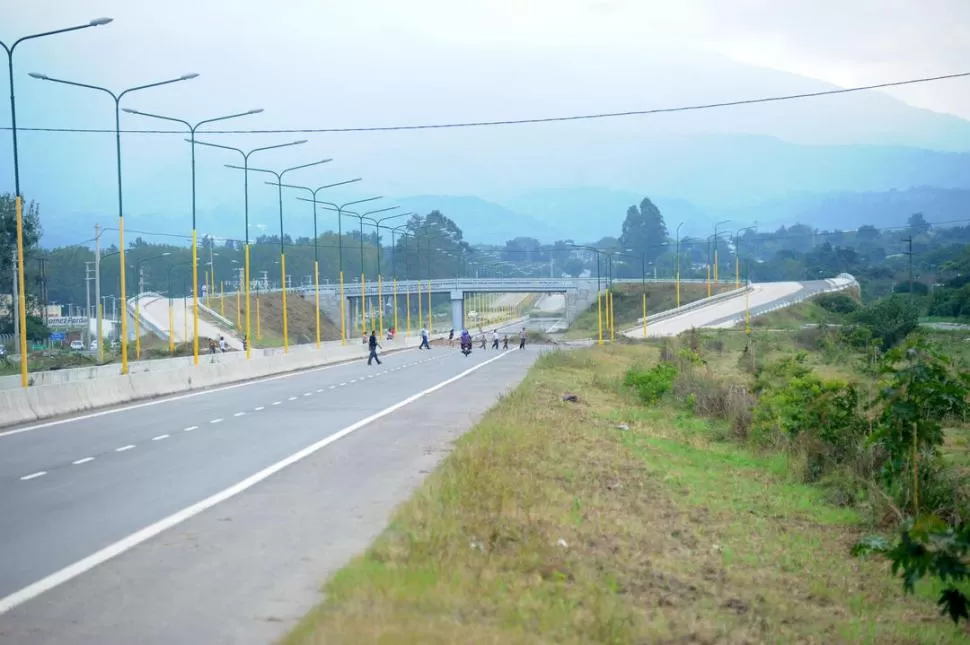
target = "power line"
x: 551, y: 119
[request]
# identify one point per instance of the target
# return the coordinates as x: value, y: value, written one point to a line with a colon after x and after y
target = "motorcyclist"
x: 466, y: 339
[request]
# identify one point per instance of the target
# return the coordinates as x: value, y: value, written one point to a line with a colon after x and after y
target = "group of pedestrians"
x: 373, y: 345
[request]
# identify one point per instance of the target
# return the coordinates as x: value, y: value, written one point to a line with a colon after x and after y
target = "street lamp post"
x: 98, y: 290
x: 340, y: 255
x: 716, y: 274
x: 195, y: 277
x: 117, y: 96
x: 737, y: 254
x: 245, y: 155
x: 20, y: 320
x: 599, y: 304
x: 380, y: 281
x: 678, y: 263
x: 279, y: 185
x: 361, y: 218
x: 171, y: 312
x: 316, y: 255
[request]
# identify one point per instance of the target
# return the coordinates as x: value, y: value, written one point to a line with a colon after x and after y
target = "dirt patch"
x: 301, y: 320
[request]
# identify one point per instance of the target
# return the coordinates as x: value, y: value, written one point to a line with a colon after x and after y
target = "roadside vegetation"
x: 717, y: 487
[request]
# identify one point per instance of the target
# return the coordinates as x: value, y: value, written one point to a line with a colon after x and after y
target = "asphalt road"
x: 213, y: 518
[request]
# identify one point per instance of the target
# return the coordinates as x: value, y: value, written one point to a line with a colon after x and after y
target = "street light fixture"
x: 380, y: 281
x: 245, y: 155
x: 737, y: 254
x: 279, y: 185
x: 20, y: 321
x: 195, y: 276
x: 361, y: 218
x: 117, y: 96
x: 716, y: 274
x: 316, y: 255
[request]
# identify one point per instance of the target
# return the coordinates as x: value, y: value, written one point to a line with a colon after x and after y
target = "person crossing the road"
x: 522, y: 339
x: 372, y: 345
x: 494, y: 339
x: 424, y: 339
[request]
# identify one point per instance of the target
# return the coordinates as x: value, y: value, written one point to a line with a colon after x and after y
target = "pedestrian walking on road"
x: 451, y: 338
x: 372, y: 344
x: 484, y: 340
x: 522, y: 339
x: 505, y: 342
x: 495, y: 339
x: 424, y: 339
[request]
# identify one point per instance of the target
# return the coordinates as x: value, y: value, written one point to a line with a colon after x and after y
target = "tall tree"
x: 644, y: 230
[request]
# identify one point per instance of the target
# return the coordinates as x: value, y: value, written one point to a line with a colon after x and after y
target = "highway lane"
x: 109, y: 475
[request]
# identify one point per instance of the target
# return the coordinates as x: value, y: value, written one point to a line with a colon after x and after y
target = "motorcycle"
x: 466, y: 347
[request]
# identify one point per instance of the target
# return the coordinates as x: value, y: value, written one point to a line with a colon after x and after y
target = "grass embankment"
x: 628, y: 305
x: 300, y: 320
x: 607, y: 521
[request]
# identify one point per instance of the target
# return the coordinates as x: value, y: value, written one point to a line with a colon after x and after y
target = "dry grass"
x: 300, y: 321
x: 550, y: 524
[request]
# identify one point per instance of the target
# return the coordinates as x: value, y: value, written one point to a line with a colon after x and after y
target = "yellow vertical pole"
x: 259, y: 329
x: 185, y: 316
x: 708, y: 280
x: 599, y: 315
x: 380, y: 304
x: 171, y: 326
x: 222, y: 300
x: 363, y: 306
x: 678, y: 284
x: 747, y: 315
x: 395, y: 306
x: 343, y: 315
x: 21, y: 297
x: 238, y: 310
x: 316, y: 284
x: 737, y: 272
x: 407, y: 304
x: 715, y: 264
x: 124, y: 296
x: 612, y: 317
x: 100, y: 329
x: 420, y: 307
x: 249, y: 337
x: 644, y: 314
x: 137, y: 330
x: 286, y: 331
x: 195, y: 300
x: 430, y: 321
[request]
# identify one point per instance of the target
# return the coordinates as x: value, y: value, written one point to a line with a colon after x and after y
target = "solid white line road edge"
x: 180, y: 397
x: 86, y: 564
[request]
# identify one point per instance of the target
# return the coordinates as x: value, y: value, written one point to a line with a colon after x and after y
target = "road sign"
x: 67, y: 321
x: 57, y: 335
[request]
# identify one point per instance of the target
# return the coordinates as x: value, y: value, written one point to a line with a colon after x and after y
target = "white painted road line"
x: 258, y: 408
x: 124, y: 448
x: 342, y: 384
x: 332, y: 387
x: 190, y: 429
x: 276, y: 402
x: 78, y: 462
x: 308, y: 394
x: 86, y: 564
x: 292, y: 398
x: 160, y: 437
x: 219, y: 420
x: 239, y: 414
x: 40, y: 473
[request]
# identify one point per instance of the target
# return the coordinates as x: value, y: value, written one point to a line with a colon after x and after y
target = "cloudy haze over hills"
x: 377, y: 63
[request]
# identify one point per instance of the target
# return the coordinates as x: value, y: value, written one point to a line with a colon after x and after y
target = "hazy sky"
x: 325, y: 63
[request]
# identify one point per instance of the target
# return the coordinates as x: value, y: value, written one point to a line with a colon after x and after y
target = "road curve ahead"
x: 213, y: 518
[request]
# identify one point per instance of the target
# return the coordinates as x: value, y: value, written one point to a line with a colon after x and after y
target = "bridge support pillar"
x: 457, y: 308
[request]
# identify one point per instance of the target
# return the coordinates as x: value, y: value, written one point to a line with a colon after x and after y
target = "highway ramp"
x: 160, y: 522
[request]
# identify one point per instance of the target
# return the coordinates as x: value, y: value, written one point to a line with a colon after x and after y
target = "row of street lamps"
x: 192, y: 129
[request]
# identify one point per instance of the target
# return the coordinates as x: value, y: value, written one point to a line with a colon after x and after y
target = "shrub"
x: 707, y: 395
x: 837, y: 303
x: 652, y: 384
x: 888, y: 320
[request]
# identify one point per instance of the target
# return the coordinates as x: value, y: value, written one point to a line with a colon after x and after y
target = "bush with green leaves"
x: 889, y: 321
x: 837, y: 303
x: 651, y: 384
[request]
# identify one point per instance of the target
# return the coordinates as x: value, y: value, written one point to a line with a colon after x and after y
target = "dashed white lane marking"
x: 258, y: 408
x: 190, y: 429
x: 239, y: 414
x: 308, y: 394
x: 124, y: 448
x: 319, y: 390
x: 160, y: 437
x: 219, y: 420
x: 342, y: 384
x: 332, y: 387
x: 292, y: 398
x: 78, y: 462
x: 276, y: 402
x: 351, y: 381
x: 39, y: 473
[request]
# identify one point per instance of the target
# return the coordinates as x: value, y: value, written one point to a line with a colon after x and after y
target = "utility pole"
x: 14, y: 303
x: 42, y: 280
x: 97, y: 287
x: 87, y: 303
